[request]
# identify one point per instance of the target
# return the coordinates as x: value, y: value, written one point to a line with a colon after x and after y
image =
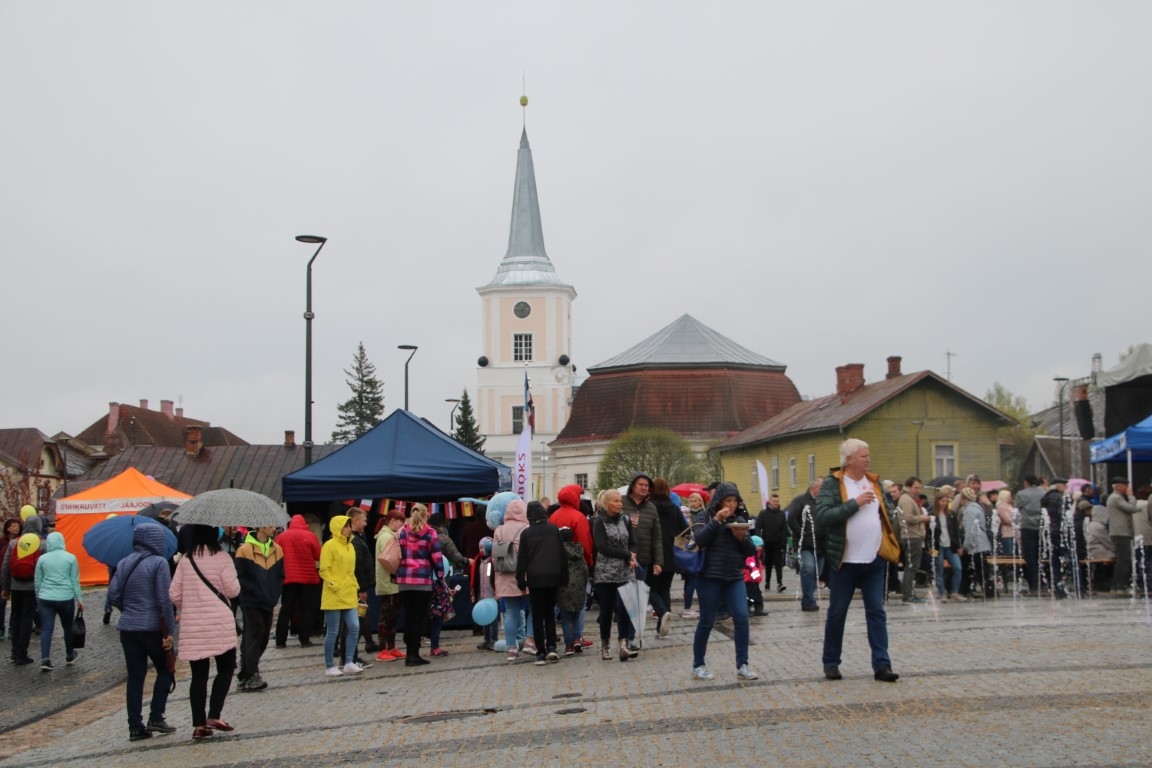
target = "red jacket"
x: 301, y: 552
x: 570, y: 516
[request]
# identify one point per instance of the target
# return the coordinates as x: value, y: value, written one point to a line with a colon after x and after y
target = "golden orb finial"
x: 523, y: 101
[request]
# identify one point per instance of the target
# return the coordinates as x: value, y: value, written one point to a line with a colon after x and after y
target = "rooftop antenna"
x: 948, y: 355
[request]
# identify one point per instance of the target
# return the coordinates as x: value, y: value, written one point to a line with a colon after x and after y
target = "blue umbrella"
x: 110, y: 541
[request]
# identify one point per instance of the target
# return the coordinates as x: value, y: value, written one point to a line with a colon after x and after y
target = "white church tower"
x: 526, y: 326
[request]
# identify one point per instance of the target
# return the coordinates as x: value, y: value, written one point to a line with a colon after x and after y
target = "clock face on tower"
x: 522, y: 309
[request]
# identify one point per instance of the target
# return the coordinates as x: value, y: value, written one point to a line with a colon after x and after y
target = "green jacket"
x: 649, y: 545
x: 832, y: 513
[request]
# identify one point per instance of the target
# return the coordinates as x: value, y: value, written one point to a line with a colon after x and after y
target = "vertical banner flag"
x: 765, y: 491
x: 522, y: 469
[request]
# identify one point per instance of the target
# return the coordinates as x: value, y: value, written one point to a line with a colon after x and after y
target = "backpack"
x: 24, y: 568
x: 390, y: 555
x: 504, y: 556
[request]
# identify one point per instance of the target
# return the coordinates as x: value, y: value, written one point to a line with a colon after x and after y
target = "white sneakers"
x: 701, y: 673
x: 352, y: 668
x: 662, y: 624
x: 744, y: 672
x: 334, y: 672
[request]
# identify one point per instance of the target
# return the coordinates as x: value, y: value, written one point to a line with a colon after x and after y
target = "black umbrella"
x: 159, y: 511
x: 936, y: 482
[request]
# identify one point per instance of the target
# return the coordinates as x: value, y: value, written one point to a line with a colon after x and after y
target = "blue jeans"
x: 711, y: 591
x: 332, y: 621
x: 515, y: 628
x: 810, y: 566
x: 435, y: 624
x: 689, y: 589
x: 139, y: 649
x: 870, y: 578
x: 947, y: 553
x: 571, y: 623
x: 49, y: 610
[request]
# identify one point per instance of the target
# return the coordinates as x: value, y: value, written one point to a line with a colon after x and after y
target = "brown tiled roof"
x: 143, y: 426
x: 835, y: 411
x: 701, y: 403
x: 250, y: 467
x: 21, y: 447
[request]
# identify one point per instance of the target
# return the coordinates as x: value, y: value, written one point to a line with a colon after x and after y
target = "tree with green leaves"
x: 1015, y: 439
x: 365, y: 408
x: 465, y: 430
x: 658, y: 452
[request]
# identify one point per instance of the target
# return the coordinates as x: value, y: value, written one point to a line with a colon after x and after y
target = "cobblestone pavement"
x: 1029, y: 682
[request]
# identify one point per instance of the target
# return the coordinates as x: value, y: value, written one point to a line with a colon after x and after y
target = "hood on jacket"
x: 55, y: 541
x: 517, y: 510
x: 494, y: 514
x: 8, y: 521
x: 723, y: 490
x: 569, y: 496
x: 336, y: 525
x: 34, y: 524
x: 537, y: 513
x: 148, y: 538
x: 637, y: 476
x: 298, y: 523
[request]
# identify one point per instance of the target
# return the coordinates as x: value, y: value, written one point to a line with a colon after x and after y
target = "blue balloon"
x: 484, y: 612
x: 499, y: 646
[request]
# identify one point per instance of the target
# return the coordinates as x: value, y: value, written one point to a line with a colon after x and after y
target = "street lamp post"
x: 412, y: 347
x: 1063, y: 381
x: 319, y: 243
x: 452, y: 417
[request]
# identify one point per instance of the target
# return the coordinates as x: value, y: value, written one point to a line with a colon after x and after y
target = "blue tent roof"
x: 402, y: 457
x: 1137, y: 438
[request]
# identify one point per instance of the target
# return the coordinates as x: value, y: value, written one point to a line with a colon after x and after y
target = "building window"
x: 522, y: 347
x: 944, y: 459
x: 582, y: 480
x: 42, y: 498
x: 793, y: 475
x: 811, y: 468
x: 774, y: 478
x: 517, y: 419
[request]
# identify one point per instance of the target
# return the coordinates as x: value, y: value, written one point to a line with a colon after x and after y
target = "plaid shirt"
x: 420, y: 557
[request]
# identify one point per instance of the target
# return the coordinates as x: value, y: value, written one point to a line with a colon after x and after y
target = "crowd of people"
x: 227, y: 592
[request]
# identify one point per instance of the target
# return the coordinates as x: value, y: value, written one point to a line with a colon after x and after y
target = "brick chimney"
x: 179, y: 413
x: 849, y: 378
x: 166, y: 408
x: 143, y: 405
x: 113, y: 418
x: 894, y: 367
x: 193, y: 441
x: 289, y: 438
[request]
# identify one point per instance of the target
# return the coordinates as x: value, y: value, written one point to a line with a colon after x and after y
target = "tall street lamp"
x: 319, y: 243
x: 412, y: 347
x: 1063, y: 381
x: 452, y: 417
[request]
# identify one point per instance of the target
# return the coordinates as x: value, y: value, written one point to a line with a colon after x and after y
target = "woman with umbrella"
x: 202, y: 589
x: 727, y: 545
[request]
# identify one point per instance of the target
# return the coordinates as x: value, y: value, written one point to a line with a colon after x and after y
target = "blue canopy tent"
x: 1134, y: 443
x: 402, y: 457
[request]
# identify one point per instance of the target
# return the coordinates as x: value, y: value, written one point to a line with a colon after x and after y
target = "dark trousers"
x: 543, y: 600
x: 49, y: 610
x: 3, y: 613
x: 1122, y: 572
x: 1030, y: 551
x: 254, y: 640
x: 755, y: 596
x: 139, y: 649
x: 198, y: 687
x: 298, y: 598
x: 611, y: 605
x: 23, y: 617
x: 660, y: 591
x: 870, y: 579
x: 386, y: 626
x: 773, y: 558
x: 415, y: 604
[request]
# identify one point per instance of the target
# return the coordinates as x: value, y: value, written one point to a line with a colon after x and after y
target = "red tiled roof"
x: 697, y: 403
x: 21, y: 447
x: 835, y: 411
x: 142, y: 426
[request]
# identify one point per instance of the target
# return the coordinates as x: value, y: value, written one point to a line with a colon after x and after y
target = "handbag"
x: 79, y: 630
x: 442, y: 601
x: 169, y: 654
x: 689, y: 556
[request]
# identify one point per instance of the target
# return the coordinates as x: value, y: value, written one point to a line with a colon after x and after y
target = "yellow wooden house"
x: 916, y: 424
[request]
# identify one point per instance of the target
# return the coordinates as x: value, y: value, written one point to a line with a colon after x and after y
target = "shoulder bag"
x: 192, y: 562
x: 688, y: 554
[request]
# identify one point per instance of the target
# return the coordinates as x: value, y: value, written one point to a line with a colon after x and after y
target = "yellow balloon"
x: 26, y: 512
x: 27, y: 544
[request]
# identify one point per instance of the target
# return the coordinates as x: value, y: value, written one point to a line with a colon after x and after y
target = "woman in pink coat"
x: 204, y: 584
x: 515, y: 599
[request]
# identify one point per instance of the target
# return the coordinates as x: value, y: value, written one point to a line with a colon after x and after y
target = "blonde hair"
x: 695, y: 497
x: 418, y: 518
x: 602, y: 498
x: 1005, y: 496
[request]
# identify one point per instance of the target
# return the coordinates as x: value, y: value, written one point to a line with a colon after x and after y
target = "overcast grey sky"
x: 823, y: 183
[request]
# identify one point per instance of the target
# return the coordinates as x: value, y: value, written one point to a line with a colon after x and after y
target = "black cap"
x: 1059, y: 480
x: 1118, y: 479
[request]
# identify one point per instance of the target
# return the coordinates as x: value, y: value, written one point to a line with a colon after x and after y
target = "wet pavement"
x: 1025, y: 682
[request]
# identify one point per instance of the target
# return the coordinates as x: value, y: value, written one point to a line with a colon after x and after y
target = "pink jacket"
x: 207, y: 626
x: 515, y: 521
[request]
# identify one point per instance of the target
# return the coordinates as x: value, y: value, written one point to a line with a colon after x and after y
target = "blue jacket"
x: 724, y: 554
x: 57, y: 572
x: 140, y: 587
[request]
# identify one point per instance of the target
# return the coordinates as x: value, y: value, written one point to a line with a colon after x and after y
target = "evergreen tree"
x: 365, y: 408
x: 1015, y: 439
x: 465, y: 429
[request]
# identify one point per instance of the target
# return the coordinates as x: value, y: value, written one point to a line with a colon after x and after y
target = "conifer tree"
x: 465, y: 430
x: 365, y: 408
